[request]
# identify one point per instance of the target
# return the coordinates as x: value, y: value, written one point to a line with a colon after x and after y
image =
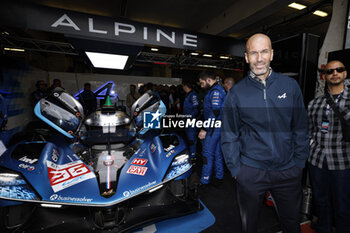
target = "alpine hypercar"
x: 105, y: 172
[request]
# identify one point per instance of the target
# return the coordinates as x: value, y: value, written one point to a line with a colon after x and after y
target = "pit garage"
x: 92, y: 96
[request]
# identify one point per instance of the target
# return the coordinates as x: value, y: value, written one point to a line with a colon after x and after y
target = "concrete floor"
x: 221, y: 201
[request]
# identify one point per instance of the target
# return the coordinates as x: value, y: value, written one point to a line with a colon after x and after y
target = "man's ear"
x: 246, y: 57
x: 271, y: 58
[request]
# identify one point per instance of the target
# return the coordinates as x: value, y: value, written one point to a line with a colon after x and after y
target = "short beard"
x: 259, y: 74
x: 335, y: 84
x: 206, y: 87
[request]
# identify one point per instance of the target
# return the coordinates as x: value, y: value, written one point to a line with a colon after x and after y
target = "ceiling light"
x: 207, y: 55
x: 14, y: 49
x: 224, y: 57
x: 320, y: 13
x: 194, y: 54
x: 154, y: 49
x: 106, y: 60
x: 207, y: 66
x: 297, y: 6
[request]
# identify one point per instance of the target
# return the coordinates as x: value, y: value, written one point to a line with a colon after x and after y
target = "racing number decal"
x: 67, y: 175
x: 58, y: 176
x: 78, y: 170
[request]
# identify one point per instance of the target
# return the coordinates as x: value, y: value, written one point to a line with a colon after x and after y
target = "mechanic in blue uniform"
x: 212, y: 108
x: 190, y: 108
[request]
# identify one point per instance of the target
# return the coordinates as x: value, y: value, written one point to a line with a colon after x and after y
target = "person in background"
x: 132, y: 96
x: 56, y: 83
x: 329, y: 161
x: 218, y: 78
x: 172, y: 96
x: 179, y: 100
x: 228, y: 83
x: 147, y: 87
x: 40, y: 92
x: 212, y: 109
x: 164, y: 96
x: 190, y: 108
x: 264, y: 139
x: 88, y: 99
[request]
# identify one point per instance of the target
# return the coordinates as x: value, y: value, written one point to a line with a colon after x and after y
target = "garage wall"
x: 16, y: 86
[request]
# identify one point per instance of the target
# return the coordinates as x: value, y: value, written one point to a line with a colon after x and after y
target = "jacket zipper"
x: 268, y: 115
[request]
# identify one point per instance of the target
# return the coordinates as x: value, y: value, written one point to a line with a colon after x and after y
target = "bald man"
x: 329, y: 161
x: 264, y: 139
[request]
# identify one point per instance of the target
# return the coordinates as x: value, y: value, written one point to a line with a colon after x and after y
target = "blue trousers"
x: 331, y: 198
x: 212, y: 157
x: 285, y: 188
x: 192, y: 134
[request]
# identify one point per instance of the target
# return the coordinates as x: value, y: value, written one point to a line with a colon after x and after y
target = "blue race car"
x: 105, y: 172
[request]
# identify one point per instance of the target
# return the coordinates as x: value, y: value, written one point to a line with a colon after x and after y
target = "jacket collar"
x: 214, y: 85
x: 270, y: 78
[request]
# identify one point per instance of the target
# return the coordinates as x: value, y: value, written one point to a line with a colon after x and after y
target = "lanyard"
x: 328, y: 109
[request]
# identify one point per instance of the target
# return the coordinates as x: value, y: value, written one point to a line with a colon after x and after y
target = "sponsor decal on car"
x: 28, y: 160
x: 153, y: 148
x: 56, y: 197
x: 170, y: 153
x: 138, y: 161
x: 139, y: 189
x: 66, y: 175
x: 26, y: 166
x: 169, y: 148
x: 55, y: 155
x: 140, y: 152
x: 76, y: 156
x: 137, y: 170
x: 70, y: 158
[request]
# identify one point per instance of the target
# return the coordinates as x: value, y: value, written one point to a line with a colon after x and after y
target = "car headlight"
x: 180, y: 165
x: 14, y: 186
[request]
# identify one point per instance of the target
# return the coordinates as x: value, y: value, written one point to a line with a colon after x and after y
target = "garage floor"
x: 221, y: 201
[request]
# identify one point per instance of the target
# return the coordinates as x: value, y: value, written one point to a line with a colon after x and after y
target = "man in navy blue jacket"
x: 264, y: 138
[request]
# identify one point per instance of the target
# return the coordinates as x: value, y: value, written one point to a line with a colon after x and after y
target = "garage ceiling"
x: 235, y: 18
x: 228, y: 18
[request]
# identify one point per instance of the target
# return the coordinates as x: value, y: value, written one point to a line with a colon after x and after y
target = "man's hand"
x: 202, y: 134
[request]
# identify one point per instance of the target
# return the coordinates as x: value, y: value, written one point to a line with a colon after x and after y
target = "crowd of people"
x: 266, y: 137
